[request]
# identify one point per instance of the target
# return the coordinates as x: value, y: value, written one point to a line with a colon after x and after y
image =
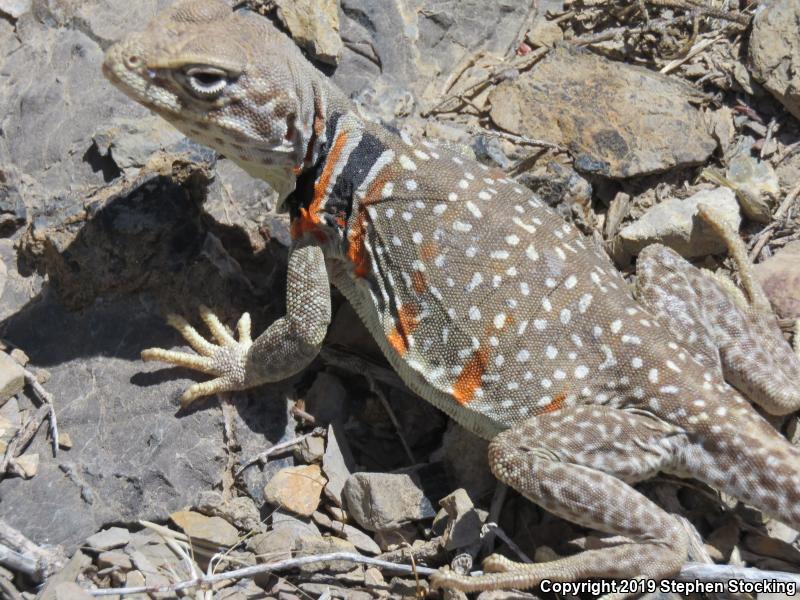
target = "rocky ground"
x: 622, y: 114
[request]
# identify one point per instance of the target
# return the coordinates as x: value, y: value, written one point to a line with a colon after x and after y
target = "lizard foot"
x: 226, y: 360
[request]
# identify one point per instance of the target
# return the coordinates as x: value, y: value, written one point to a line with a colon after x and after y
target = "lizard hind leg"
x: 578, y: 464
x: 740, y: 343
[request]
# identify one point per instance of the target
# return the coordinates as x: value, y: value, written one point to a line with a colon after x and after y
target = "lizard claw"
x: 226, y: 359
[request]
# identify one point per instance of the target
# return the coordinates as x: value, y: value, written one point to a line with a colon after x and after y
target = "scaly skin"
x: 486, y: 303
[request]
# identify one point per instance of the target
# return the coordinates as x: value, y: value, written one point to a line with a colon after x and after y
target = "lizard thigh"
x: 577, y: 463
x: 729, y: 337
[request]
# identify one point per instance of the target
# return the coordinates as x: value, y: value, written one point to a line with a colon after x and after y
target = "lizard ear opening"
x: 206, y: 83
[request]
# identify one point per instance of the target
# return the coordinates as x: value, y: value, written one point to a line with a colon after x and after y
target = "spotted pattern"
x: 487, y: 303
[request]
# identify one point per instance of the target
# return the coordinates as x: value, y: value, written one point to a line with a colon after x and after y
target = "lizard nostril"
x: 133, y: 61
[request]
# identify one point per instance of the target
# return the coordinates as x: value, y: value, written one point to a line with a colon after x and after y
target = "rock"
x: 385, y: 501
x: 775, y: 52
x: 335, y: 468
x: 779, y: 275
x: 70, y: 590
x: 314, y: 24
x: 20, y: 356
x: 544, y: 33
x: 309, y: 546
x: 358, y: 538
x: 213, y: 530
x: 674, y: 223
x: 617, y: 120
x: 326, y: 399
x: 280, y: 542
x: 721, y: 542
x: 12, y: 377
x: 15, y: 8
x: 114, y: 559
x: 766, y: 546
x: 756, y: 184
x: 109, y: 539
x: 244, y: 589
x: 68, y: 574
x: 781, y: 531
x: 241, y: 511
x: 27, y: 464
x: 464, y: 522
x: 310, y: 450
x: 297, y: 489
x: 64, y: 441
x: 465, y: 458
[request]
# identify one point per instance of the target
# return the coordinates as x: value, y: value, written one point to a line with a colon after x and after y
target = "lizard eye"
x: 206, y: 82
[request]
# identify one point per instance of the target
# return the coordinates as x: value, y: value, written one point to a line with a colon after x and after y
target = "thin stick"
x: 47, y: 399
x: 277, y: 448
x: 689, y: 572
x: 291, y: 563
x: 23, y: 436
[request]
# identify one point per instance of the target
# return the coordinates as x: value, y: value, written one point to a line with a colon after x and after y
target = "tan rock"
x: 297, y: 489
x: 214, y: 530
x: 12, y: 377
x: 314, y: 24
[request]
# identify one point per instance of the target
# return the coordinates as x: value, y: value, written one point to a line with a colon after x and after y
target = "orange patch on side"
x: 428, y: 251
x: 356, y: 251
x: 418, y: 282
x: 556, y: 404
x: 470, y: 378
x: 309, y: 219
x: 406, y: 324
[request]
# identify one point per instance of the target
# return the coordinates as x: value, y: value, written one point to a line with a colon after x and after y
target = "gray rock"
x: 385, y: 501
x: 358, y: 538
x: 114, y: 559
x: 109, y: 539
x: 335, y: 468
x: 12, y: 377
x: 68, y: 574
x: 779, y: 275
x: 464, y: 522
x: 241, y: 511
x: 326, y: 399
x: 310, y: 450
x: 465, y: 459
x: 775, y: 51
x: 70, y: 590
x: 15, y: 8
x: 617, y: 120
x: 309, y: 546
x: 674, y: 223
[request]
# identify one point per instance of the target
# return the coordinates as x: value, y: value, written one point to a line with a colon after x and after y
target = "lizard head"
x: 229, y: 80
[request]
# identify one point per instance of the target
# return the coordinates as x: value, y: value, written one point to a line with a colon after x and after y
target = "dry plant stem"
x: 766, y: 234
x: 23, y: 437
x: 689, y: 572
x: 375, y: 389
x: 47, y: 399
x: 7, y: 590
x: 523, y: 140
x: 707, y: 11
x: 46, y: 561
x: 496, y: 530
x: 277, y: 448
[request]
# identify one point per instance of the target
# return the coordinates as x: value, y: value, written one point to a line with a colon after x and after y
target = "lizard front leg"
x: 285, y: 348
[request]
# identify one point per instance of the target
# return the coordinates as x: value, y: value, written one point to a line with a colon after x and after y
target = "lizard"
x: 487, y: 304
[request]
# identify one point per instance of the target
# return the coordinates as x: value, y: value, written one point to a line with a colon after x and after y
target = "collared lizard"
x: 487, y: 304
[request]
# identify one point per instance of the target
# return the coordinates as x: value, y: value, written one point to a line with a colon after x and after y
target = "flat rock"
x: 70, y: 590
x: 385, y: 501
x: 617, y: 120
x: 335, y: 468
x: 109, y: 539
x: 358, y: 538
x: 756, y: 184
x: 779, y: 275
x: 314, y: 25
x: 775, y: 51
x: 241, y: 511
x: 113, y: 558
x: 309, y: 546
x: 214, y: 530
x: 297, y: 489
x: 12, y: 377
x: 674, y: 223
